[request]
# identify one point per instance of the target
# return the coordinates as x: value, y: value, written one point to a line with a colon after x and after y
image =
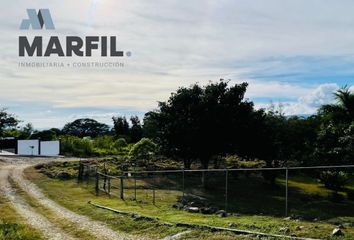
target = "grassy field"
x: 249, y: 194
x: 75, y: 197
x: 66, y: 226
x: 12, y: 226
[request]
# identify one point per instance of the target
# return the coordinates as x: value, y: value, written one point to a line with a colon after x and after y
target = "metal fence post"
x: 203, y: 179
x: 134, y: 187
x: 121, y: 188
x: 286, y: 191
x: 183, y: 173
x: 109, y: 186
x: 226, y: 188
x: 153, y: 190
x: 134, y: 165
x: 86, y: 174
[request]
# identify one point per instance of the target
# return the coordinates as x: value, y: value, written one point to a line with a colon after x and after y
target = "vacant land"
x: 53, y: 208
x: 75, y: 196
x: 38, y: 212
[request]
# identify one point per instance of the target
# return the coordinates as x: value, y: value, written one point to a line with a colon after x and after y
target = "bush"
x: 334, y: 180
x: 75, y: 146
x: 120, y: 143
x: 144, y: 150
x: 236, y: 162
x: 104, y: 142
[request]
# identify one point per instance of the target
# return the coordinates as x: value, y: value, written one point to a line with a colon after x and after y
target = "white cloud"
x: 275, y: 90
x: 175, y: 44
x: 309, y: 103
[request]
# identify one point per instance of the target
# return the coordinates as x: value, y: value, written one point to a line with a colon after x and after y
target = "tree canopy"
x: 120, y: 125
x: 199, y: 122
x: 122, y: 129
x: 7, y: 120
x: 343, y: 110
x: 335, y: 139
x: 85, y: 127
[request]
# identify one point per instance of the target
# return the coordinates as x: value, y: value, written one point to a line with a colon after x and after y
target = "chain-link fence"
x: 298, y: 191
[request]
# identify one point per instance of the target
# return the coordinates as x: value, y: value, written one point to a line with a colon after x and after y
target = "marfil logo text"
x: 74, y: 45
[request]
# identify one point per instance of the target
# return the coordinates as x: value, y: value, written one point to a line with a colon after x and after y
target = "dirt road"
x: 12, y: 179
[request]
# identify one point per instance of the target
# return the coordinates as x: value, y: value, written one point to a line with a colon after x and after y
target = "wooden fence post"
x: 97, y: 187
x: 79, y: 176
x: 121, y: 188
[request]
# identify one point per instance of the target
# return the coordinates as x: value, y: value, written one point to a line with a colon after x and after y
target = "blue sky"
x: 291, y: 52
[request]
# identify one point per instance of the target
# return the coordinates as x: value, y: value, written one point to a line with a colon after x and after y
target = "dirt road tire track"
x: 28, y: 213
x: 97, y: 229
x: 14, y: 168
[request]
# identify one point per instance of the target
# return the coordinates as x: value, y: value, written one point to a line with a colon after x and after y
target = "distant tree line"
x: 203, y: 123
x: 198, y: 123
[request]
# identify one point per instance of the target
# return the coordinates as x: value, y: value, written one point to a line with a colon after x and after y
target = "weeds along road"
x: 43, y: 214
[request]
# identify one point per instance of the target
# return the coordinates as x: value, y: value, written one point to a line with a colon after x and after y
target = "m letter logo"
x: 37, y: 21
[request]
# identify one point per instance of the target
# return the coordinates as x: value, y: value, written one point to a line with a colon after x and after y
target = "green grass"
x: 75, y: 197
x: 12, y: 226
x: 63, y: 223
x: 248, y: 193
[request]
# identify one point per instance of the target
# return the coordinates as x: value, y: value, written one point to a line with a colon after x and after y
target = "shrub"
x: 334, y: 180
x: 71, y: 145
x: 103, y: 142
x: 144, y: 150
x: 120, y: 143
x: 236, y: 162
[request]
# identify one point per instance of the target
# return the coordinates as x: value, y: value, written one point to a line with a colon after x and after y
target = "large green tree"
x: 26, y: 131
x: 7, y: 120
x: 45, y: 135
x: 136, y: 130
x: 342, y: 111
x: 289, y: 140
x: 334, y: 143
x: 121, y: 126
x: 85, y: 127
x: 198, y: 122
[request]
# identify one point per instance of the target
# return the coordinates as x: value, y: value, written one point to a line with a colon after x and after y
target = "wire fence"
x: 295, y: 191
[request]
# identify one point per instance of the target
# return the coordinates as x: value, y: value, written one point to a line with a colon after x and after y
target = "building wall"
x: 24, y: 147
x: 50, y: 148
x: 44, y: 148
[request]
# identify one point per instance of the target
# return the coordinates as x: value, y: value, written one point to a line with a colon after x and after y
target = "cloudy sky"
x: 291, y: 52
